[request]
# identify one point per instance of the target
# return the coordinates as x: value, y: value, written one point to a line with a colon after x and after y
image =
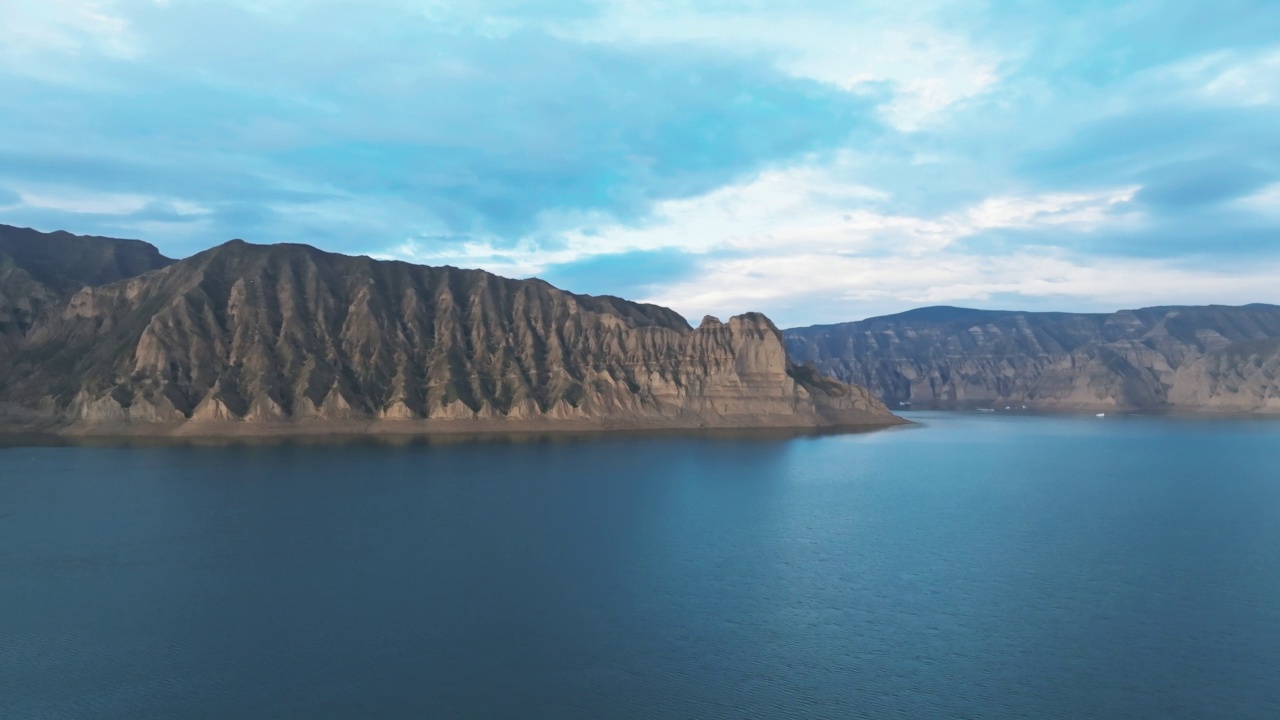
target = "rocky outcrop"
x: 287, y: 335
x: 1212, y: 357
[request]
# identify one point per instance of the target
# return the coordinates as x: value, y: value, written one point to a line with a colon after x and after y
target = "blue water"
x: 978, y: 566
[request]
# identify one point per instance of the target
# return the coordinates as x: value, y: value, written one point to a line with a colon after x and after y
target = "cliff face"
x: 1213, y: 357
x: 273, y: 334
x: 1241, y: 376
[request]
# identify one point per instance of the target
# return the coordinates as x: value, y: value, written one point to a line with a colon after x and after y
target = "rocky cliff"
x: 277, y: 336
x: 1241, y: 376
x: 1213, y: 357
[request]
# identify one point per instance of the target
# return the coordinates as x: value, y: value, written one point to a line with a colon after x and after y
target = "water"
x: 979, y: 566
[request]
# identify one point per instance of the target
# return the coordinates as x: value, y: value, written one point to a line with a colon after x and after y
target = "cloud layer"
x: 818, y: 161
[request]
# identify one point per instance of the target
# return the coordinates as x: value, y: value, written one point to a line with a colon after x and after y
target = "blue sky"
x: 818, y: 161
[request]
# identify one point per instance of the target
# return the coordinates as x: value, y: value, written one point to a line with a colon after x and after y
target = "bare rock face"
x: 245, y: 334
x: 1242, y: 376
x: 1213, y: 357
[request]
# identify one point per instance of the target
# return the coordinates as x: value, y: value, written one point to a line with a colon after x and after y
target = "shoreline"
x: 402, y: 432
x: 1172, y: 411
x: 17, y: 433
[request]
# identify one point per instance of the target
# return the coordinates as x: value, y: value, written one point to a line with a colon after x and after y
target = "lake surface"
x: 978, y: 566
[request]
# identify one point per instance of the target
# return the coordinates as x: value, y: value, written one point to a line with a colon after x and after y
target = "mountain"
x: 66, y: 262
x: 39, y: 269
x: 1212, y: 357
x: 1243, y: 375
x: 253, y: 338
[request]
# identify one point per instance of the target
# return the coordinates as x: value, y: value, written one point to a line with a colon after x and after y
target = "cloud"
x: 34, y: 34
x: 815, y: 160
x: 78, y: 201
x: 1265, y: 202
x: 789, y: 234
x: 894, y: 45
x: 1233, y: 78
x: 1252, y: 83
x: 803, y: 289
x: 1081, y: 210
x: 460, y: 129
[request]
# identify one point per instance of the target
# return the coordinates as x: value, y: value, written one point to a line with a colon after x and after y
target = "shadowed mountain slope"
x: 39, y: 269
x: 1212, y: 357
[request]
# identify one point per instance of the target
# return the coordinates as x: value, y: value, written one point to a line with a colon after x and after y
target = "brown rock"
x: 1196, y: 358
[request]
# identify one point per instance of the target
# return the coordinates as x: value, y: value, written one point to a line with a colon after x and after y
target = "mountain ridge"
x: 1168, y: 357
x: 249, y: 338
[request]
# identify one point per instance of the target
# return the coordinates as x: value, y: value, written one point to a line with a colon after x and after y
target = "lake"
x: 975, y: 566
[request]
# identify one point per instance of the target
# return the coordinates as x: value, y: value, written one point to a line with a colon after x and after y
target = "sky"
x: 817, y: 160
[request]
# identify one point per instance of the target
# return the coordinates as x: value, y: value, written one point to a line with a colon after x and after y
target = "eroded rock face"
x: 1241, y: 376
x: 281, y: 333
x: 1210, y: 357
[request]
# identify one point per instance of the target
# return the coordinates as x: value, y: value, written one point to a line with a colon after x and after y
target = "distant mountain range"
x: 99, y: 335
x: 1190, y: 358
x: 107, y: 335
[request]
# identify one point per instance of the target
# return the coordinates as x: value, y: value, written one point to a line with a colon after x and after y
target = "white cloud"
x: 804, y: 234
x: 79, y: 201
x: 30, y: 30
x: 823, y: 288
x: 928, y: 69
x: 1227, y: 77
x: 1253, y: 82
x: 1266, y: 201
x: 1083, y: 210
x: 75, y: 200
x: 819, y: 209
x: 811, y: 231
x: 815, y: 232
x: 525, y: 259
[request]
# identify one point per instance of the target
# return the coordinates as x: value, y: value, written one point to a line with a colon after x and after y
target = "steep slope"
x: 22, y: 299
x: 65, y: 263
x: 38, y: 270
x: 287, y: 333
x: 1243, y: 376
x: 1148, y: 358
